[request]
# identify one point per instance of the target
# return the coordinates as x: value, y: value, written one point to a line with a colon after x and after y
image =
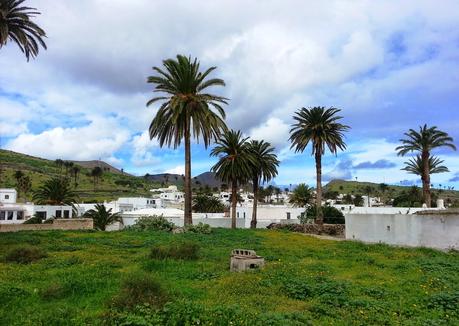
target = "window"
x: 66, y: 213
x: 58, y: 214
x: 20, y: 215
x: 2, y: 215
x: 41, y: 215
x: 288, y: 215
x: 10, y: 215
x: 7, y: 196
x: 243, y: 214
x: 237, y: 214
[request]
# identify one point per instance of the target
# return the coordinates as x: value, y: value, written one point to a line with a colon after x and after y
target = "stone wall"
x: 337, y: 230
x: 58, y: 224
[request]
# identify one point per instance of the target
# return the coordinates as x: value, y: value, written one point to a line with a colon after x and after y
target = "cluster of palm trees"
x: 188, y: 111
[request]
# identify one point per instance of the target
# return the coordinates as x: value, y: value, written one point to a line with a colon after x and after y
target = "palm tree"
x: 75, y: 171
x: 301, y: 195
x: 96, y: 173
x: 414, y: 165
x: 55, y: 192
x: 320, y: 127
x: 186, y: 111
x: 423, y: 142
x: 207, y: 204
x: 16, y: 25
x: 102, y: 217
x: 263, y: 170
x: 234, y: 165
x: 59, y: 163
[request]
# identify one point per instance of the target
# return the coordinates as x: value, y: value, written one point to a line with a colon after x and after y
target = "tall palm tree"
x: 55, y: 192
x: 415, y: 165
x: 423, y: 142
x: 102, y: 217
x: 321, y: 128
x: 96, y: 174
x: 235, y: 164
x: 187, y: 110
x: 16, y: 25
x: 75, y: 172
x: 263, y: 170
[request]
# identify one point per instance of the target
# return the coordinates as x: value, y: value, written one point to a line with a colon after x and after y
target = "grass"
x: 306, y: 281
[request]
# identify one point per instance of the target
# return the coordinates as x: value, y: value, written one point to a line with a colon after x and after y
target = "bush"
x: 152, y: 223
x: 186, y: 251
x: 331, y: 214
x: 25, y: 255
x: 198, y: 228
x: 49, y: 221
x: 33, y: 220
x: 138, y: 289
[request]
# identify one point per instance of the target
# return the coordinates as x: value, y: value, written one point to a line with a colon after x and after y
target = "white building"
x: 8, y: 196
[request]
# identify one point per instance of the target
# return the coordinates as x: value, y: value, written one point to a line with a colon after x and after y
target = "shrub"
x: 186, y: 251
x: 331, y: 214
x: 444, y: 301
x: 25, y: 255
x: 198, y: 228
x: 33, y: 220
x: 138, y: 289
x: 49, y: 221
x: 152, y: 223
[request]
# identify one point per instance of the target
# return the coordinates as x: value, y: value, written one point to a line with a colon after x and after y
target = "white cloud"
x: 179, y: 169
x: 99, y: 139
x: 274, y: 131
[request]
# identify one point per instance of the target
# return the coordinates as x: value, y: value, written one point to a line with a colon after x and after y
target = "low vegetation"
x: 187, y: 251
x: 87, y: 275
x: 152, y: 223
x: 24, y: 255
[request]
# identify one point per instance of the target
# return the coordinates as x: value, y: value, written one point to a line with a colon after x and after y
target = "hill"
x: 113, y: 183
x: 104, y: 165
x: 201, y: 180
x: 392, y: 191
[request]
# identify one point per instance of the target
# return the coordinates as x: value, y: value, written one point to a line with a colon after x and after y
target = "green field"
x: 109, y: 187
x: 306, y: 281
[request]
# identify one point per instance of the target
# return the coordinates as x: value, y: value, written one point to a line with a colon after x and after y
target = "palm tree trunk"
x: 426, y: 179
x: 233, y: 203
x: 253, y: 222
x: 319, y: 215
x: 188, y: 219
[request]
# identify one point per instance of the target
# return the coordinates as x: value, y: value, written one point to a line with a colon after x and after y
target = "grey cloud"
x: 379, y: 164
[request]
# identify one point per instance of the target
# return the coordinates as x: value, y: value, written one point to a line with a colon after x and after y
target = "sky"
x: 388, y: 65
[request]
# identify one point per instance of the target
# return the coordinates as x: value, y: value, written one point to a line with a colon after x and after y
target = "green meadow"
x: 90, y: 277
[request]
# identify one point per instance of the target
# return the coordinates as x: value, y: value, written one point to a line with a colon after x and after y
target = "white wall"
x: 269, y: 212
x: 433, y: 230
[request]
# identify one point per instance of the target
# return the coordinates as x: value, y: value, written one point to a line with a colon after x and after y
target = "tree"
x: 301, y: 195
x: 264, y: 168
x: 16, y: 25
x: 423, y: 142
x: 75, y: 172
x: 59, y: 163
x: 55, y: 192
x: 96, y: 174
x: 358, y: 200
x: 18, y: 175
x: 415, y: 165
x: 187, y: 110
x: 321, y: 128
x: 234, y: 165
x: 24, y: 184
x: 102, y: 217
x: 68, y: 166
x: 207, y: 204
